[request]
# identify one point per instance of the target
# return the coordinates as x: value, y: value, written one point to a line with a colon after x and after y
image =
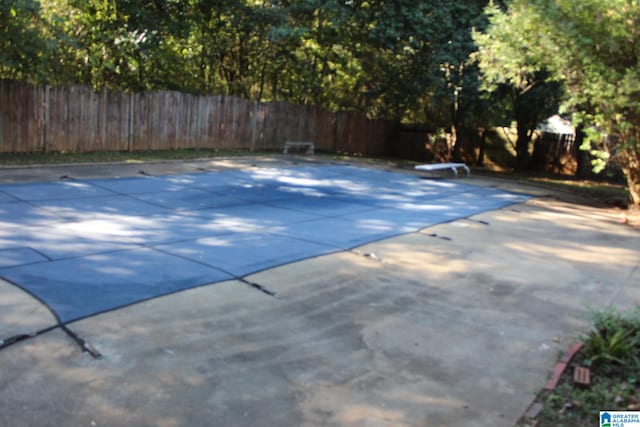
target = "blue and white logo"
x: 619, y: 419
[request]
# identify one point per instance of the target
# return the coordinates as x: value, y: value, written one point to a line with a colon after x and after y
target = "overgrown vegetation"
x: 612, y: 352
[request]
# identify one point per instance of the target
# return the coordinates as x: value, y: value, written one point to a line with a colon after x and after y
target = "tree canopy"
x: 388, y: 59
x: 510, y: 67
x: 592, y: 47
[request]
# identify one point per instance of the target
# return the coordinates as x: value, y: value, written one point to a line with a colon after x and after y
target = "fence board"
x: 351, y: 131
x: 21, y: 117
x: 318, y: 125
x: 281, y: 125
x: 75, y: 118
x: 381, y: 137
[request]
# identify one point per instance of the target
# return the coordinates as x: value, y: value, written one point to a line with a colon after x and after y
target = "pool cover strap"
x: 86, y: 347
x: 258, y: 287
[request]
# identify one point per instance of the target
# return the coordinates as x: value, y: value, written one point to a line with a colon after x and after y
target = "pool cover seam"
x: 135, y: 246
x: 15, y: 199
x: 232, y: 276
x: 80, y: 197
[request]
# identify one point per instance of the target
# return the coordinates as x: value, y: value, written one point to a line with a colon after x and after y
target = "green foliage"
x: 593, y: 47
x: 22, y: 45
x: 395, y: 59
x: 514, y: 69
x: 608, y: 346
x: 569, y: 406
x: 611, y: 349
x: 613, y: 341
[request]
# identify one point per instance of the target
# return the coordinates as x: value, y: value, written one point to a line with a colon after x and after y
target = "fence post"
x: 130, y: 123
x: 336, y: 126
x: 198, y: 119
x: 46, y: 119
x: 298, y: 133
x: 2, y: 113
x: 254, y: 123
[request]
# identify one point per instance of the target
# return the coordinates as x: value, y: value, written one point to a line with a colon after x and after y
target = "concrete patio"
x: 458, y: 324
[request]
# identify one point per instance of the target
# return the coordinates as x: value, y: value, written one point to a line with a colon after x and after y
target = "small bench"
x: 439, y: 166
x: 299, y: 144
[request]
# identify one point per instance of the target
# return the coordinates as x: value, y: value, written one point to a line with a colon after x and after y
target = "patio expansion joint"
x: 625, y: 283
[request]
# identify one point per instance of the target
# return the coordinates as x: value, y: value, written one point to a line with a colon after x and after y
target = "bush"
x: 611, y: 351
x: 613, y: 343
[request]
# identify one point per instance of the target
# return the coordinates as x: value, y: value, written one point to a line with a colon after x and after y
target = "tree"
x: 386, y: 59
x: 454, y: 96
x: 593, y: 46
x: 511, y: 67
x: 119, y: 44
x: 22, y: 44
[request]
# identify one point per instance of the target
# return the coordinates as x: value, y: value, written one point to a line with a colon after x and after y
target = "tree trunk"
x: 522, y: 148
x: 455, y: 130
x: 483, y: 144
x: 456, y: 135
x: 631, y: 169
x: 582, y: 156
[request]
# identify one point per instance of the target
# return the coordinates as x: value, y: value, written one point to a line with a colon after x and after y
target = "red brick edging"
x: 562, y: 365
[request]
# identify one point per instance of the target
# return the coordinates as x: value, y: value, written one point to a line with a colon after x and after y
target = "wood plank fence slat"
x: 22, y: 121
x: 75, y: 118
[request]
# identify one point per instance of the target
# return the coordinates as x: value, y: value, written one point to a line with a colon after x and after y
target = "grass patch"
x: 29, y: 159
x: 604, y: 192
x: 612, y: 352
x: 610, y: 193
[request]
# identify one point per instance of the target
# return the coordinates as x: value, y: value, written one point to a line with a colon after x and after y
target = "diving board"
x: 440, y: 166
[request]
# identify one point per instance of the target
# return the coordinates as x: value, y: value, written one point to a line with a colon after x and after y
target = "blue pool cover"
x: 85, y: 247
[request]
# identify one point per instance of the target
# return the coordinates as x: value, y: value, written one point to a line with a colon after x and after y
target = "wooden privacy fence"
x: 77, y: 119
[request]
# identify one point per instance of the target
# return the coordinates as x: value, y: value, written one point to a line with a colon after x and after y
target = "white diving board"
x: 440, y: 166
